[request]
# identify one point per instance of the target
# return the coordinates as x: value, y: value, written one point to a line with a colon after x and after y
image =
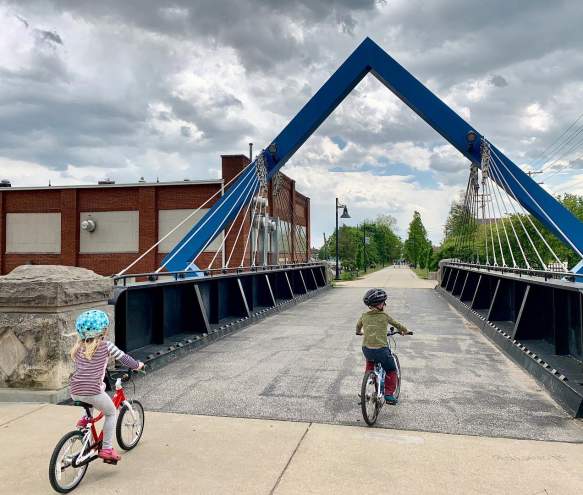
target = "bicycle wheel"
x: 62, y: 475
x: 368, y: 398
x: 398, y: 389
x: 129, y: 429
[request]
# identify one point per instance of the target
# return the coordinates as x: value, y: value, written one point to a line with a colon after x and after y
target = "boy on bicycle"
x: 373, y: 325
x: 90, y: 354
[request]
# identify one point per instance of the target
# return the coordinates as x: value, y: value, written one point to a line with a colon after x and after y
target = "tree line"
x: 522, y: 237
x: 374, y: 243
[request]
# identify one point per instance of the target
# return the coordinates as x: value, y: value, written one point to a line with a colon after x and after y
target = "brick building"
x: 105, y: 227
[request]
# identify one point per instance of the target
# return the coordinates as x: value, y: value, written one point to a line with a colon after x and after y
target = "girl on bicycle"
x: 91, y: 354
x: 373, y: 325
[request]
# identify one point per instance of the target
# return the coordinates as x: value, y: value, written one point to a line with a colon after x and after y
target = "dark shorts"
x: 383, y: 356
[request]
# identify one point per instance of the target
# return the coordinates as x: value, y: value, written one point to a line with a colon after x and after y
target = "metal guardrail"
x: 171, y: 309
x: 213, y: 272
x: 531, y: 272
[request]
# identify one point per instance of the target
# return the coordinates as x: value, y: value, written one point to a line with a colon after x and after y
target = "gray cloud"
x: 498, y: 81
x: 107, y: 84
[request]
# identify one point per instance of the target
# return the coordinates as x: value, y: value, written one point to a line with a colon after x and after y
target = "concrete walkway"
x: 306, y: 364
x: 211, y: 455
x: 391, y: 278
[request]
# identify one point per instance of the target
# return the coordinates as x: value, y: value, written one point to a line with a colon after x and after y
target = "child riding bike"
x: 90, y: 354
x: 375, y: 346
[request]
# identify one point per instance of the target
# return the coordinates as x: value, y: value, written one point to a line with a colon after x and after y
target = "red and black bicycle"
x: 79, y: 447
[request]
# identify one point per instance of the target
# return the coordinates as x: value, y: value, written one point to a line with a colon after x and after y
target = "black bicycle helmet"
x: 373, y: 297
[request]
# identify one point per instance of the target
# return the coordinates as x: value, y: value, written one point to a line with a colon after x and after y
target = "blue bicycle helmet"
x: 91, y: 323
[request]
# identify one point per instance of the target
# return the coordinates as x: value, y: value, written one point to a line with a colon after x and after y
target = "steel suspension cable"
x: 137, y: 260
x: 525, y: 213
x: 244, y: 178
x: 255, y: 208
x: 494, y: 188
x: 544, y: 213
x: 495, y: 174
x: 241, y: 227
x: 216, y: 232
x: 249, y: 194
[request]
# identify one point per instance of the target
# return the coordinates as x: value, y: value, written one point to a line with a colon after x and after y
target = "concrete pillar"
x: 38, y: 308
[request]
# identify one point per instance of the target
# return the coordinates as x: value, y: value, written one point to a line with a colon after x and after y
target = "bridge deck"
x: 305, y: 364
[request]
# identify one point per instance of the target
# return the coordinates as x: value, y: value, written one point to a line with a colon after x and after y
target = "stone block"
x: 52, y: 286
x: 37, y: 322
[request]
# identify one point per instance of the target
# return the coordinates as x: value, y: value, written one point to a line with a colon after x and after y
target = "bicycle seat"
x: 80, y: 403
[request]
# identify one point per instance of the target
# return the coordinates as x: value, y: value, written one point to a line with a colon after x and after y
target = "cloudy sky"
x: 160, y: 89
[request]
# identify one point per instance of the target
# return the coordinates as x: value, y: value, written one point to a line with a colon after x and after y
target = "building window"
x: 33, y: 233
x: 114, y: 232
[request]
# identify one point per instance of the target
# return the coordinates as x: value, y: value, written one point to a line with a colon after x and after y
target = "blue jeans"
x: 383, y: 356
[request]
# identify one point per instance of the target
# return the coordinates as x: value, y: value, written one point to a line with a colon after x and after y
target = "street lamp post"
x: 344, y: 215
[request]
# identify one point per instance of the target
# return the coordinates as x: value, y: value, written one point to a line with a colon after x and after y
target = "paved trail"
x: 305, y: 364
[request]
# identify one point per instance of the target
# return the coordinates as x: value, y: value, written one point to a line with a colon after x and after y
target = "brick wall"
x: 148, y: 199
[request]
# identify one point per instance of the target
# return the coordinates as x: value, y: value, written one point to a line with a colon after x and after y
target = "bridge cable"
x: 494, y: 190
x: 485, y: 229
x: 243, y: 219
x: 250, y: 193
x: 301, y: 235
x: 245, y: 177
x: 251, y: 227
x: 256, y: 240
x: 287, y: 226
x: 519, y: 215
x: 466, y: 218
x: 280, y: 229
x: 476, y: 213
x: 250, y: 179
x: 486, y: 170
x: 528, y: 217
x: 181, y: 223
x: 459, y: 232
x: 542, y: 210
x: 218, y: 229
x: 495, y: 175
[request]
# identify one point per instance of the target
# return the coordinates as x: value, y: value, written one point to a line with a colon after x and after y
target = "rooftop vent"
x: 5, y: 183
x: 107, y: 180
x: 142, y: 180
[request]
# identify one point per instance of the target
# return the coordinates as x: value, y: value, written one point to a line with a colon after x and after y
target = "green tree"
x: 417, y: 247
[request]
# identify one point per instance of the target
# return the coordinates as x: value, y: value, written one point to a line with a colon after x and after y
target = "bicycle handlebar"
x: 392, y: 332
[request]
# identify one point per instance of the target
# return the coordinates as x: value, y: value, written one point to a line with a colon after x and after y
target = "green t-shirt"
x: 374, y: 324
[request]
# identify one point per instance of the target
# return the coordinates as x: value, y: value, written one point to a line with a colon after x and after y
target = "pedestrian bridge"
x: 305, y: 364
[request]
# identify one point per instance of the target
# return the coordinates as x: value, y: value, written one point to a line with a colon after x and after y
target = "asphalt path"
x: 305, y: 364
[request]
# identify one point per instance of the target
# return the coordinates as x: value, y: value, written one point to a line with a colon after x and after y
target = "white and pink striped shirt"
x: 87, y: 379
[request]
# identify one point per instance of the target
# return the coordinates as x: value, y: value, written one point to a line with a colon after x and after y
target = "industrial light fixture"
x: 272, y: 148
x: 88, y: 225
x: 471, y: 138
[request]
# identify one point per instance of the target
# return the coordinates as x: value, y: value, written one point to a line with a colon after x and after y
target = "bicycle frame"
x: 89, y: 450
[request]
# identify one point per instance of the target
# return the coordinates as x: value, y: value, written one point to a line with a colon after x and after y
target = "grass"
x: 421, y: 272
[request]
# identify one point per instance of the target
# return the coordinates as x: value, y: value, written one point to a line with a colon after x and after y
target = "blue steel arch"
x: 369, y: 57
